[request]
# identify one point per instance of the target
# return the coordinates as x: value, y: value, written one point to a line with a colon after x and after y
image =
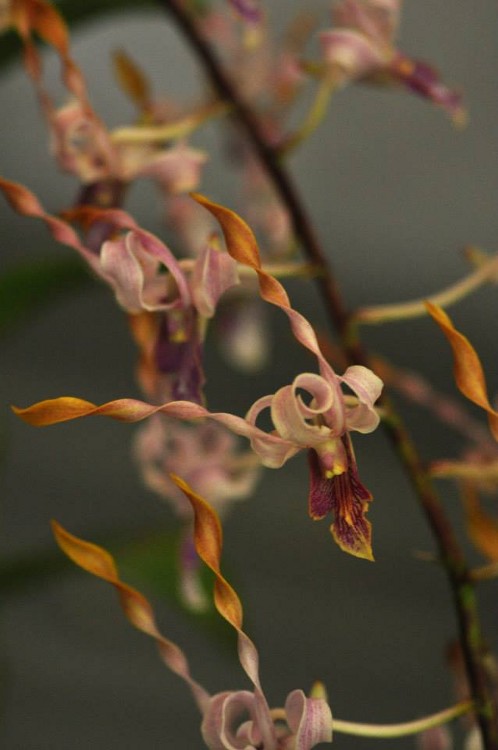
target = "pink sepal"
x: 309, y: 719
x: 214, y: 272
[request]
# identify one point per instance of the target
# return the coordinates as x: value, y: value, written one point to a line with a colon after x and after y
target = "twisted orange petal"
x: 481, y: 527
x: 208, y: 543
x: 467, y: 369
x: 42, y: 18
x: 53, y: 411
x: 24, y: 202
x: 137, y: 609
x: 241, y: 244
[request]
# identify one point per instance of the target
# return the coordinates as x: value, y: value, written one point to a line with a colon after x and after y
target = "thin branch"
x: 450, y: 551
x: 390, y: 731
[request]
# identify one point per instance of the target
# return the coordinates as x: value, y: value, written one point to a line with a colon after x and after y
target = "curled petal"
x: 212, y: 722
x: 214, y: 272
x: 467, y: 368
x: 137, y: 609
x: 309, y: 719
x: 289, y: 413
x: 368, y: 387
x: 131, y: 264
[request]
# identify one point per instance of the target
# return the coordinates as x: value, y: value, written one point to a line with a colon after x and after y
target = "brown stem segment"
x: 450, y: 552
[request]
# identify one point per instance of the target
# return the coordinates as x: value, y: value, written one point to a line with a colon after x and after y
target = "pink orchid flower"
x: 321, y: 424
x: 232, y: 720
x: 206, y: 455
x: 361, y: 46
x: 133, y: 264
x: 80, y: 141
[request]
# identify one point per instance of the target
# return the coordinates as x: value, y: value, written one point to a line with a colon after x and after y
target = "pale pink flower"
x: 206, y: 455
x: 81, y: 144
x: 361, y: 46
x: 320, y: 420
x: 176, y: 169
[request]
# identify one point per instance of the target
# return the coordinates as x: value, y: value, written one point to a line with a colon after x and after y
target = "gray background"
x: 396, y: 192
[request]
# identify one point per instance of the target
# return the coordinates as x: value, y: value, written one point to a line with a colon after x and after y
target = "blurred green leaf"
x: 26, y: 288
x: 74, y: 12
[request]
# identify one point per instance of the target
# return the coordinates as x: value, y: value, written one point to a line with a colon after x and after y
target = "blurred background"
x: 396, y: 192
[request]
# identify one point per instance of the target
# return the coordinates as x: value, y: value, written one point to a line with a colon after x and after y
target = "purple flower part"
x: 347, y: 498
x: 424, y: 80
x: 249, y: 10
x: 179, y: 356
x: 106, y: 193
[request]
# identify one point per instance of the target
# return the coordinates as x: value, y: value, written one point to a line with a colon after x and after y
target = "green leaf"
x: 26, y: 288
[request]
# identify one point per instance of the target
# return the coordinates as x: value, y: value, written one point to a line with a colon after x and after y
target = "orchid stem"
x: 449, y: 548
x: 314, y: 118
x: 390, y: 731
x: 416, y: 308
x: 147, y: 134
x: 386, y: 731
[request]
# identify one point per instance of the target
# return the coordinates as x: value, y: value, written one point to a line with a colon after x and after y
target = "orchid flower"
x: 361, y: 46
x: 231, y: 720
x: 321, y: 425
x: 133, y: 264
x: 80, y: 141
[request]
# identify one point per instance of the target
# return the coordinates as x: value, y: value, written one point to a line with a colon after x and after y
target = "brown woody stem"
x: 449, y: 549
